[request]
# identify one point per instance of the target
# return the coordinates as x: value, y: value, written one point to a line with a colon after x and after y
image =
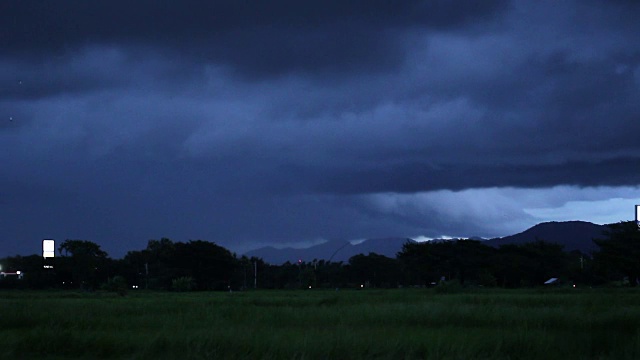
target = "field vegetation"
x: 454, y: 323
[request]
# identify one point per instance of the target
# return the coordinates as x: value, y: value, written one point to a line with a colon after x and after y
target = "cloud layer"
x: 247, y: 123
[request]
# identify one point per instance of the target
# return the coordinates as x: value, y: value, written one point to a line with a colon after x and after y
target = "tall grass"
x: 391, y: 324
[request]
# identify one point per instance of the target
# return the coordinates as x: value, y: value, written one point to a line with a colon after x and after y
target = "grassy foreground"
x: 389, y: 324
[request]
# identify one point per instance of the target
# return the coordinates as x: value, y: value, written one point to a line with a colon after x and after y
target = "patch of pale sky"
x: 422, y: 238
x: 242, y: 248
x: 599, y: 211
x: 512, y: 210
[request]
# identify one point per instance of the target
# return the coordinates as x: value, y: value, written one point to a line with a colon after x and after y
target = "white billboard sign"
x: 48, y: 248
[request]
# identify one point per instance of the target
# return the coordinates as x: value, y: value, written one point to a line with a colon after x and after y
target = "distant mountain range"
x: 573, y: 235
x: 334, y: 250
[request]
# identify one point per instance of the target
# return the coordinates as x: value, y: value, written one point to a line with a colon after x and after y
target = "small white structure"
x: 18, y: 274
x: 48, y: 248
x: 551, y: 281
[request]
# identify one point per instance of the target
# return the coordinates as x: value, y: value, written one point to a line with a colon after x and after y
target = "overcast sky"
x: 292, y: 122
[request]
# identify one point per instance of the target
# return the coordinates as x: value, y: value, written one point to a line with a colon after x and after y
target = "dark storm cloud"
x: 29, y: 82
x: 272, y: 122
x: 419, y: 177
x: 89, y: 70
x: 254, y: 37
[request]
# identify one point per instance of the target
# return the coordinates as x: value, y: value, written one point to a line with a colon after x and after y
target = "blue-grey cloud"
x: 280, y: 124
x: 254, y: 37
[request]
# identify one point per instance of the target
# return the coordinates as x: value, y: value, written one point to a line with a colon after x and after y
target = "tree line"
x: 203, y: 265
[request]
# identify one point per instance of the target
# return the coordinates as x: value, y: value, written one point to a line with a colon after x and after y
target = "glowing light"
x: 361, y: 286
x: 48, y: 248
x: 309, y: 286
x: 18, y: 272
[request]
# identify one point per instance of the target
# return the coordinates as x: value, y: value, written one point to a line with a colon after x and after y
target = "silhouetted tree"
x: 83, y: 263
x: 376, y: 270
x: 530, y: 264
x: 134, y: 268
x: 159, y: 258
x: 416, y: 260
x: 581, y: 268
x: 210, y: 265
x: 619, y: 253
x: 428, y: 262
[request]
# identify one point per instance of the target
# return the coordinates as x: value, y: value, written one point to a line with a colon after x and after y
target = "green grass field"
x: 348, y: 324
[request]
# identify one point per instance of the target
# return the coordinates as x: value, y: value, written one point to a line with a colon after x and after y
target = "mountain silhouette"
x: 334, y: 250
x: 572, y: 235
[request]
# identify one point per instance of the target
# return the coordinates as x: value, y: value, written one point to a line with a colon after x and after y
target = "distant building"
x: 17, y: 275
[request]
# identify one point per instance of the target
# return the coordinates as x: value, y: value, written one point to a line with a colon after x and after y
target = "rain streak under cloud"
x: 252, y: 123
